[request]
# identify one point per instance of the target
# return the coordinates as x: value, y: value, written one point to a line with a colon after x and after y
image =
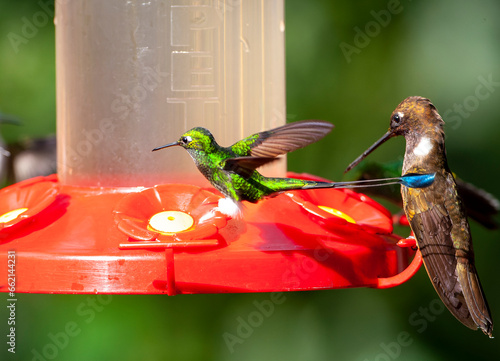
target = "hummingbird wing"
x: 481, y: 205
x: 450, y: 266
x: 282, y: 140
x: 245, y: 166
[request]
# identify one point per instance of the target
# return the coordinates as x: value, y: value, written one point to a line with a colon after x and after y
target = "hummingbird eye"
x: 397, y: 118
x: 186, y: 139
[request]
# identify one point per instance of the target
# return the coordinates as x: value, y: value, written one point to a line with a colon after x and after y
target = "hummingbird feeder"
x: 119, y: 219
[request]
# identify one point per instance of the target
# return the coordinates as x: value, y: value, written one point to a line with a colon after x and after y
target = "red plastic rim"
x: 366, y: 213
x: 23, y: 202
x: 283, y: 243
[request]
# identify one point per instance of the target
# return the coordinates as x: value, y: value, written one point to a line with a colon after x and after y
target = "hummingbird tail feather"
x: 439, y: 261
x: 317, y: 185
x: 276, y: 185
x: 474, y: 297
x: 452, y: 275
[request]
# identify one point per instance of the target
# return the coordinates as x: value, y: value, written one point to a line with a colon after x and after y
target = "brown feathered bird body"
x: 437, y: 214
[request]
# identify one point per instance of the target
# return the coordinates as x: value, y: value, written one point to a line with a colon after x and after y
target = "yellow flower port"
x: 169, y: 222
x: 11, y: 215
x: 337, y: 213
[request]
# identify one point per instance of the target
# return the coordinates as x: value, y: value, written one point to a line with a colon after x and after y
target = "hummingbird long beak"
x: 375, y: 145
x: 166, y: 146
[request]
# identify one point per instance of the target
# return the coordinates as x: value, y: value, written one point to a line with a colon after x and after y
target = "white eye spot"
x: 424, y: 147
x: 189, y: 139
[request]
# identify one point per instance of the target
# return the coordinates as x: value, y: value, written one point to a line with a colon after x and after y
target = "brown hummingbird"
x: 437, y: 214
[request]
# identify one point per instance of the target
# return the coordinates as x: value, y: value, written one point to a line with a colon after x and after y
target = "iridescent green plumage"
x: 232, y: 170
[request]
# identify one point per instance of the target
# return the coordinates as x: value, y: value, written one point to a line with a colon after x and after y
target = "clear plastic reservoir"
x: 134, y: 75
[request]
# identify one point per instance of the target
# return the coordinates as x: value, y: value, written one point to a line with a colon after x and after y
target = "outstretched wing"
x: 245, y: 166
x: 281, y: 140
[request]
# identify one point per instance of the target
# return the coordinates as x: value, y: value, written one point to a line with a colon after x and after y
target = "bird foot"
x: 408, y: 242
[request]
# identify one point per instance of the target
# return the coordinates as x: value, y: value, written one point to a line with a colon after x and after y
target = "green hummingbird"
x: 437, y: 214
x: 232, y: 170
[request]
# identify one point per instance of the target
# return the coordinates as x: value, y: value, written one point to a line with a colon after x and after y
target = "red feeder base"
x: 172, y: 239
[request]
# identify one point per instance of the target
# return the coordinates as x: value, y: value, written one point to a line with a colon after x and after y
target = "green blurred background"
x: 435, y: 49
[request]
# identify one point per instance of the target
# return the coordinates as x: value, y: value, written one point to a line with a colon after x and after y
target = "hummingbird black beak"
x: 166, y: 146
x: 375, y: 145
